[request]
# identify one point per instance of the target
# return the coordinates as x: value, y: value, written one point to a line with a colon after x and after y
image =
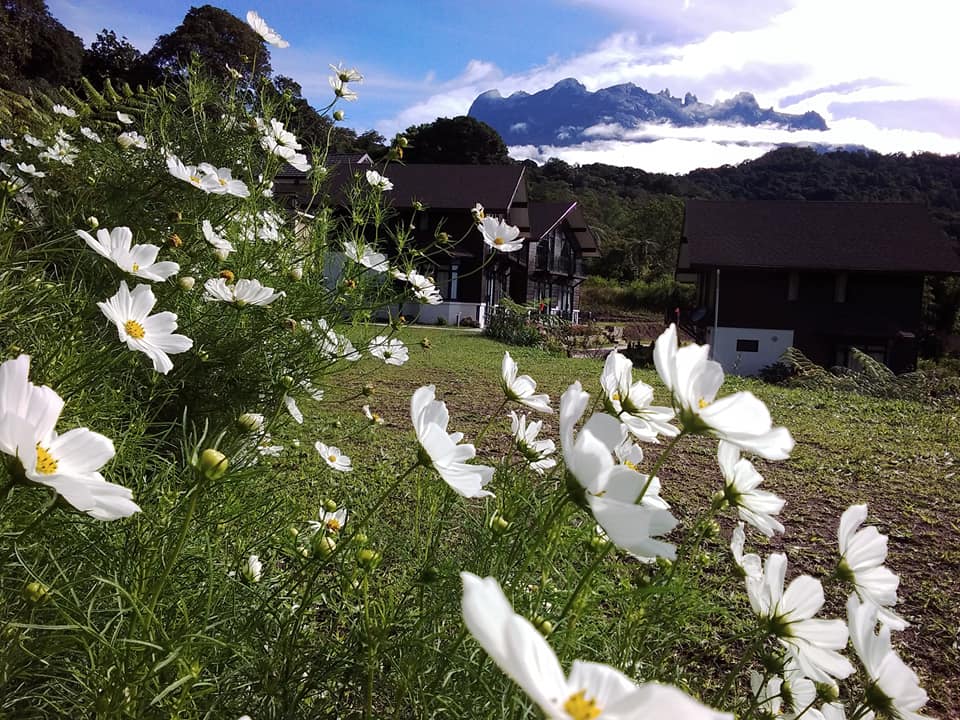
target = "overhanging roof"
x: 544, y: 216
x: 878, y: 237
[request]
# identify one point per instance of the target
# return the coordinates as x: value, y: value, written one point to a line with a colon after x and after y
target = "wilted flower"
x: 521, y: 389
x: 441, y: 450
x: 694, y: 380
x: 333, y: 457
x: 499, y: 235
x: 138, y: 260
x: 261, y: 28
x: 243, y: 292
x: 131, y: 139
x: 68, y: 463
x: 390, y: 350
x: 373, y: 417
x: 591, y: 691
x: 150, y: 334
x: 218, y: 242
x: 30, y: 170
x: 378, y: 181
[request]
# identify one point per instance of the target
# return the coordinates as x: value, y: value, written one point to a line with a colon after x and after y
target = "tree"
x: 116, y: 59
x: 461, y: 139
x: 35, y: 49
x: 219, y: 39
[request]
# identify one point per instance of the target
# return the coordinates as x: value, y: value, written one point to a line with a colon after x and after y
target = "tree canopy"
x: 36, y: 50
x: 461, y: 139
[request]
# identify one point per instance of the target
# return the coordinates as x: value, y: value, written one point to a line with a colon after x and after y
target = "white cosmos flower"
x: 30, y: 170
x: 124, y: 118
x: 378, y: 181
x: 252, y: 569
x: 132, y: 139
x: 591, y: 691
x: 631, y: 402
x: 187, y: 173
x: 8, y: 145
x: 895, y: 690
x: 333, y: 457
x: 293, y: 409
x: 61, y: 151
x: 274, y: 134
x: 390, y: 350
x: 374, y: 418
x: 31, y: 140
x: 68, y: 463
x: 741, y: 481
x: 441, y: 450
x: 347, y: 74
x: 138, y: 260
x: 220, y: 181
x: 423, y: 287
x: 862, y: 554
x: 813, y: 643
x: 342, y: 90
x: 798, y: 691
x: 624, y: 502
x: 64, y: 110
x: 366, y: 257
x: 243, y: 292
x: 751, y: 564
x: 694, y: 380
x: 329, y: 521
x: 150, y: 334
x: 535, y: 452
x: 261, y: 28
x: 217, y: 241
x: 630, y: 454
x: 521, y: 389
x: 477, y: 212
x: 90, y: 134
x: 767, y: 697
x: 499, y: 235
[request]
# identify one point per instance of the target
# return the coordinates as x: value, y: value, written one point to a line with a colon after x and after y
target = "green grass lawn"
x: 898, y: 456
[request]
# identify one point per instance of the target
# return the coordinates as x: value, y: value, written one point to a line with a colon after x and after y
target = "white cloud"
x: 794, y: 56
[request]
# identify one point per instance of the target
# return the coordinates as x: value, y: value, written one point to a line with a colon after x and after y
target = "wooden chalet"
x: 823, y: 277
x: 471, y: 277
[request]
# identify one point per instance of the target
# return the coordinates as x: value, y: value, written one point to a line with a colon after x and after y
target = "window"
x: 748, y: 345
x: 793, y: 286
x: 840, y: 287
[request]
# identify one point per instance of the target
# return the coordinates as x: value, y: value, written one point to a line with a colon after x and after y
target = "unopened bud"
x: 213, y: 464
x: 93, y: 222
x: 499, y: 524
x: 330, y: 505
x: 35, y: 592
x: 361, y: 539
x: 402, y: 141
x: 186, y: 282
x: 338, y: 115
x: 287, y: 381
x: 221, y: 254
x: 543, y: 625
x: 251, y: 422
x: 296, y: 273
x: 323, y: 545
x: 368, y: 559
x: 293, y: 532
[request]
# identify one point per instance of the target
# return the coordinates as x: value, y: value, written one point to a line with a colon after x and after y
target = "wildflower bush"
x: 166, y: 322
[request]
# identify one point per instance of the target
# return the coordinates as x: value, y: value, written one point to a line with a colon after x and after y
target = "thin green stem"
x: 738, y: 668
x: 495, y: 416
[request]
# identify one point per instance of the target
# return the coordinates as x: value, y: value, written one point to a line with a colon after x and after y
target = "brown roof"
x: 544, y: 216
x: 884, y: 237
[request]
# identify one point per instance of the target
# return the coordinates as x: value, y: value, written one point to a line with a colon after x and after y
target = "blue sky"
x: 882, y: 72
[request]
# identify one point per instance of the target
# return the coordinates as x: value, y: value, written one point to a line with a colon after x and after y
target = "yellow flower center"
x: 222, y: 182
x: 333, y: 525
x: 332, y: 458
x: 615, y: 397
x: 702, y: 403
x: 134, y: 329
x: 135, y: 267
x: 46, y: 465
x: 578, y: 707
x: 194, y: 179
x: 630, y: 465
x: 498, y: 240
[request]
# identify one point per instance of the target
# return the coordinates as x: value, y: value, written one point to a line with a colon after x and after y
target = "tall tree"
x: 461, y: 139
x: 219, y: 39
x: 35, y: 49
x: 115, y: 58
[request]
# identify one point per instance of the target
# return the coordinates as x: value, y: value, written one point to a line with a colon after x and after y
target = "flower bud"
x: 290, y: 324
x: 186, y: 282
x: 251, y: 422
x: 221, y: 254
x: 296, y: 273
x: 499, y: 524
x: 329, y: 505
x: 252, y: 569
x: 338, y: 115
x: 361, y: 539
x: 402, y: 141
x: 323, y: 545
x: 93, y: 222
x: 35, y: 592
x: 175, y: 216
x: 293, y: 532
x: 368, y: 559
x: 227, y: 275
x: 213, y: 464
x: 295, y: 442
x: 175, y: 240
x: 543, y: 625
x: 287, y: 381
x: 368, y: 389
x: 827, y: 692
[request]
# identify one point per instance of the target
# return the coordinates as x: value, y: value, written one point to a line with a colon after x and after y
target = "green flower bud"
x: 323, y: 545
x: 295, y: 274
x: 338, y: 115
x: 368, y: 559
x: 293, y: 532
x: 329, y: 505
x: 35, y: 592
x: 251, y: 422
x: 361, y: 539
x: 827, y: 692
x: 499, y: 524
x: 543, y: 625
x: 186, y: 282
x: 213, y: 464
x: 93, y: 222
x: 287, y: 381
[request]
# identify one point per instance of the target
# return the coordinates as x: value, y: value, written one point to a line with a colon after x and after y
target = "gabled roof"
x: 882, y: 237
x: 545, y: 216
x: 454, y: 186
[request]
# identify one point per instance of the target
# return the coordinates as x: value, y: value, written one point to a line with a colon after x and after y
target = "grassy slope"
x: 900, y: 457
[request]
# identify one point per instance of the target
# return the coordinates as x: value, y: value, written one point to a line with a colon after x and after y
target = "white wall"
x: 770, y: 346
x: 450, y: 310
